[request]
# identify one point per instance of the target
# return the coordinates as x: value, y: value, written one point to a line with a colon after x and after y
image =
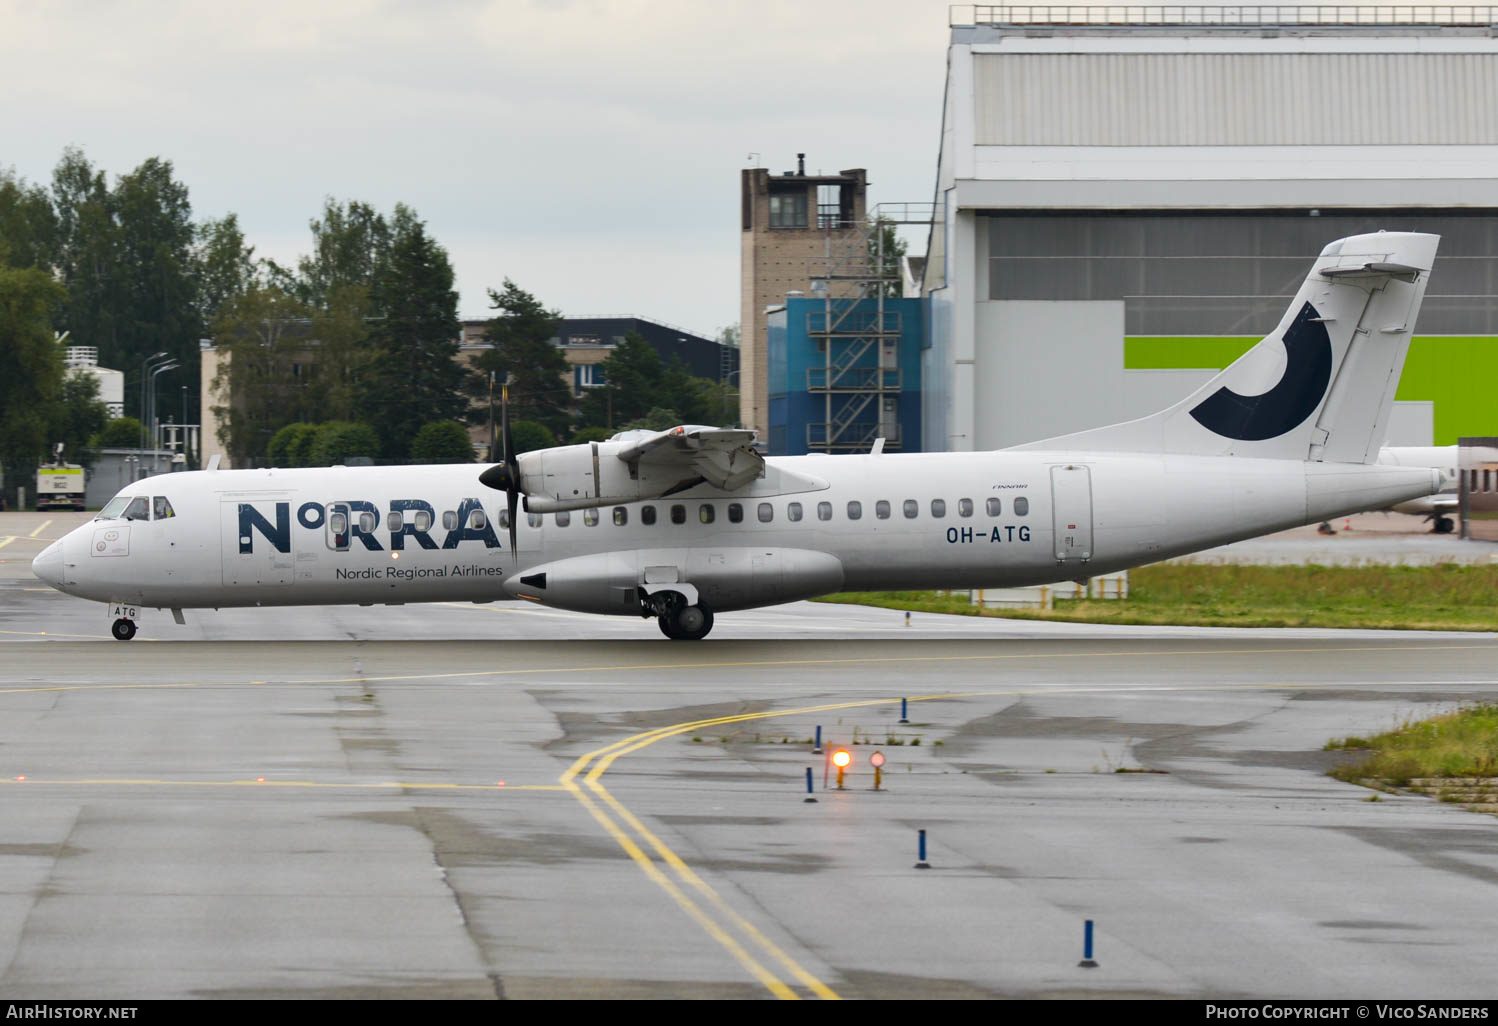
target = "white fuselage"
x: 268, y: 537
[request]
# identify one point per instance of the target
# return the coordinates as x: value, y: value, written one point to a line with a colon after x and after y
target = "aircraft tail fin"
x: 1320, y: 386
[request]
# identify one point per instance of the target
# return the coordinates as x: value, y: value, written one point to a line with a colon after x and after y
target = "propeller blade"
x: 514, y: 498
x: 505, y: 474
x: 493, y: 438
x: 504, y: 418
x: 512, y: 467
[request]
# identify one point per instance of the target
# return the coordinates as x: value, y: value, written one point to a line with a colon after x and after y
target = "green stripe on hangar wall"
x: 1458, y: 373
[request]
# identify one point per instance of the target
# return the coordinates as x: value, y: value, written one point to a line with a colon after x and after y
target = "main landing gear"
x: 1442, y: 525
x: 123, y: 630
x: 679, y: 621
x: 687, y: 623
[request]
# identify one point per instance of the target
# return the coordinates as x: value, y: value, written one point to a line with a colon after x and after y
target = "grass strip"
x: 1443, y: 597
x: 1459, y: 744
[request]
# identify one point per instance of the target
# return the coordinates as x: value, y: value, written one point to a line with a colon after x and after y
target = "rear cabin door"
x: 1071, y: 513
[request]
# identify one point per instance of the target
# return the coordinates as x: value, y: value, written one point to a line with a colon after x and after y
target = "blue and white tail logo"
x: 1284, y: 407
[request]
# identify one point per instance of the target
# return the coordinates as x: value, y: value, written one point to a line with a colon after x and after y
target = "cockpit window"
x: 114, y: 507
x: 139, y: 509
x: 161, y: 508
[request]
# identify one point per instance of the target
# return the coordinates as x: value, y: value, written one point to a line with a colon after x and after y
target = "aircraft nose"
x: 48, y: 565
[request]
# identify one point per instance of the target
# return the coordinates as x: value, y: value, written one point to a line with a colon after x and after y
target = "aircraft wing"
x: 723, y: 457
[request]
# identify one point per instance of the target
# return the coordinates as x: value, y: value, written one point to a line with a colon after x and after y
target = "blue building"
x: 843, y: 372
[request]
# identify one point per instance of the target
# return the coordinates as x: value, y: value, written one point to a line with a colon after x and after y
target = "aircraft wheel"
x: 123, y: 630
x: 666, y: 628
x: 1443, y: 525
x: 689, y: 623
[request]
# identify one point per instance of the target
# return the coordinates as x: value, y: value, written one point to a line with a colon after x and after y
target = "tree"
x: 28, y: 224
x: 126, y: 256
x: 528, y: 436
x: 338, y: 441
x: 31, y: 371
x: 291, y: 446
x: 77, y: 416
x: 119, y: 433
x: 717, y: 402
x: 264, y: 380
x: 341, y: 328
x: 413, y: 376
x: 157, y: 274
x: 886, y: 249
x: 442, y: 441
x: 224, y: 265
x: 350, y: 247
x: 524, y: 354
x: 656, y: 419
x: 633, y: 374
x: 87, y: 259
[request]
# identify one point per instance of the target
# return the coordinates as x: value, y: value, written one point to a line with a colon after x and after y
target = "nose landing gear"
x: 124, y: 623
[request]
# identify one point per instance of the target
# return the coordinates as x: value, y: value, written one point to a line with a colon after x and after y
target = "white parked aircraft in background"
x: 1438, y: 508
x: 687, y: 523
x: 1435, y: 508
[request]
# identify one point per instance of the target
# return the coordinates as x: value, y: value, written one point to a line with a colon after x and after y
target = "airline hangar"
x: 1127, y: 197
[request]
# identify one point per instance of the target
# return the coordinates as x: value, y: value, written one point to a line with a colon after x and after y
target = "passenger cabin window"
x: 395, y: 521
x: 706, y: 513
x: 881, y: 509
x: 855, y: 509
x: 367, y: 521
x: 647, y: 515
x: 938, y: 508
x: 476, y: 520
x: 793, y: 511
x: 590, y: 517
x: 766, y: 512
x: 824, y: 511
x: 424, y: 519
x: 621, y: 516
x: 161, y: 509
x: 533, y: 519
x: 910, y: 508
x: 678, y: 514
x: 449, y: 520
x: 564, y: 518
x: 995, y: 507
x: 139, y: 509
x: 964, y: 507
x: 735, y: 513
x: 1021, y: 506
x: 504, y: 519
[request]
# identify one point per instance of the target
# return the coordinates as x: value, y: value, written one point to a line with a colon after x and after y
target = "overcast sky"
x: 588, y: 149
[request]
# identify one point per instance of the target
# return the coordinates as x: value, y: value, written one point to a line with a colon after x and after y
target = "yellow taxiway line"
x: 597, y: 763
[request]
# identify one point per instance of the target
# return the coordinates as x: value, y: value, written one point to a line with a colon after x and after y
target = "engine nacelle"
x: 579, y: 476
x: 720, y: 578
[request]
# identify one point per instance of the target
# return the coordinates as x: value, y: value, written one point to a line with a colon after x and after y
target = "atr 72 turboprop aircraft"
x: 690, y: 522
